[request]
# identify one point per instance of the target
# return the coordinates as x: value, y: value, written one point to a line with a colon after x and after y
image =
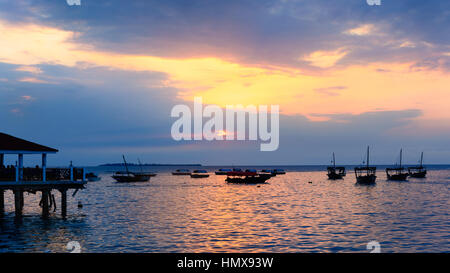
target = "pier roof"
x: 14, y: 145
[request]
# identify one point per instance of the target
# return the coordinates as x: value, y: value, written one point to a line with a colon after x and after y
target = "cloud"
x: 325, y: 59
x: 330, y: 91
x: 30, y: 69
x: 362, y: 30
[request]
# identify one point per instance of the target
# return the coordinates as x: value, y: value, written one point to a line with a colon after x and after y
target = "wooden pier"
x: 19, y: 179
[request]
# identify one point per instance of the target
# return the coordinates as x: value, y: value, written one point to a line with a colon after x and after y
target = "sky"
x: 99, y: 80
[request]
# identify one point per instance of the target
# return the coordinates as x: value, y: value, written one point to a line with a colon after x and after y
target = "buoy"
x: 310, y: 182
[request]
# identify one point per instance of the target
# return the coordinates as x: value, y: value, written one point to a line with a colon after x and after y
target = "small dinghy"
x: 199, y: 174
x: 92, y: 177
x: 182, y: 172
x: 223, y: 171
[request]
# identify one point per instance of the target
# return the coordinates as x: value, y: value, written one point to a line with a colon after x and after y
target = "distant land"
x: 133, y: 164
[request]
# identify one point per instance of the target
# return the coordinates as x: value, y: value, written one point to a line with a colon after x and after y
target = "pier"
x: 20, y: 179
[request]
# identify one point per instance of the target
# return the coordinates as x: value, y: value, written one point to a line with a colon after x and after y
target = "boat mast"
x: 140, y: 165
x: 126, y: 166
x: 421, y: 160
x: 367, y: 169
x: 334, y: 161
x: 401, y: 151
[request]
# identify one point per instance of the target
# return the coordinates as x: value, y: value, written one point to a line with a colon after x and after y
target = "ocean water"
x: 301, y: 211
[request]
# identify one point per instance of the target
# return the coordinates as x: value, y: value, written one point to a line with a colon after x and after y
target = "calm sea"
x: 298, y: 212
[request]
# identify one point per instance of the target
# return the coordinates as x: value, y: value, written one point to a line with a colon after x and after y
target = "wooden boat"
x: 129, y: 177
x: 278, y: 171
x: 418, y: 171
x: 182, y: 172
x: 247, y: 177
x: 199, y: 174
x: 334, y: 172
x: 366, y: 175
x: 268, y: 172
x: 223, y: 171
x: 92, y: 177
x: 397, y: 174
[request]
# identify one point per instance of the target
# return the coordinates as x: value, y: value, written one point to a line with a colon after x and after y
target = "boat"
x: 128, y: 177
x: 182, y: 172
x: 398, y: 173
x: 247, y: 177
x: 278, y: 171
x: 418, y: 171
x: 268, y: 172
x: 223, y: 171
x: 366, y: 175
x: 334, y: 172
x: 92, y: 177
x: 199, y: 174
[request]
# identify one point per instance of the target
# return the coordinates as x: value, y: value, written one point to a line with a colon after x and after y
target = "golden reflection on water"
x: 289, y: 214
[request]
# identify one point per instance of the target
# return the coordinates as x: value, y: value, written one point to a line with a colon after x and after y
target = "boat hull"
x: 335, y: 176
x: 131, y: 178
x: 181, y: 173
x: 398, y: 177
x: 418, y: 174
x: 199, y: 175
x: 366, y: 179
x: 259, y: 179
x: 221, y: 173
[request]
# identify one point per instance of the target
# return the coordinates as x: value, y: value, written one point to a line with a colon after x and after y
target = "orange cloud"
x: 222, y: 82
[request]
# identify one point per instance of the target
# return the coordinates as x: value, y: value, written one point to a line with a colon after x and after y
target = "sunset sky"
x: 99, y: 80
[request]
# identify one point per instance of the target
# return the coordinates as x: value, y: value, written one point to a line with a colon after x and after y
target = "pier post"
x: 44, y: 167
x: 18, y: 202
x: 45, y: 199
x: 20, y: 167
x: 64, y: 203
x: 71, y: 171
x: 2, y: 202
x: 2, y: 160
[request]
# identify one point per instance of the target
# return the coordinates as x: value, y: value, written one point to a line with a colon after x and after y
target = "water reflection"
x: 289, y: 214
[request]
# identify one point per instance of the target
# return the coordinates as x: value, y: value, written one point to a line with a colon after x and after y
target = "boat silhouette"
x: 366, y: 175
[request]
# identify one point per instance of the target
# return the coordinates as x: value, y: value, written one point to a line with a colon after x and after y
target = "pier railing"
x: 37, y: 174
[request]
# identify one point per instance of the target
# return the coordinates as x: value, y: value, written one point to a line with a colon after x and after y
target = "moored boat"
x: 418, y: 171
x: 129, y: 177
x: 268, y: 172
x: 223, y: 171
x: 398, y: 173
x: 366, y: 175
x: 199, y: 174
x: 334, y: 172
x: 182, y: 172
x: 92, y: 177
x: 278, y: 171
x: 247, y: 177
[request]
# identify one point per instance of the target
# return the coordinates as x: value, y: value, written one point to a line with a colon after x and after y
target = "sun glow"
x: 387, y: 86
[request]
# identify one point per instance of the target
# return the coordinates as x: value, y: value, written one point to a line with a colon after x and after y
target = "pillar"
x: 45, y: 208
x: 2, y: 160
x: 2, y: 202
x: 20, y: 167
x: 44, y: 167
x: 64, y: 203
x: 18, y: 202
